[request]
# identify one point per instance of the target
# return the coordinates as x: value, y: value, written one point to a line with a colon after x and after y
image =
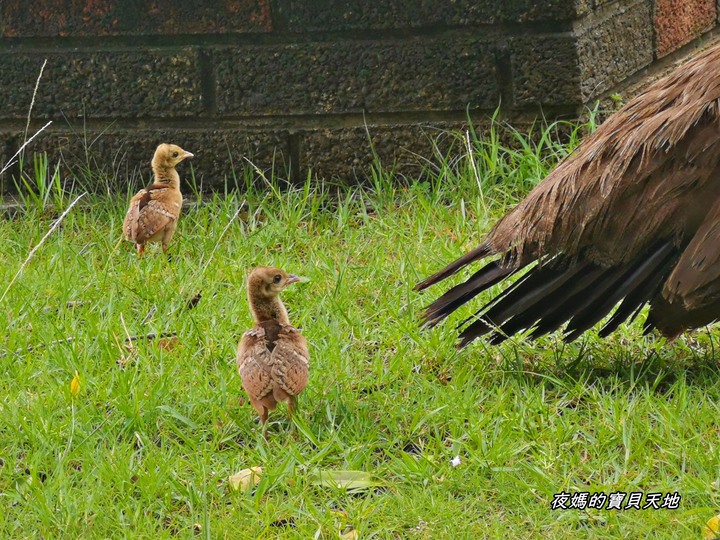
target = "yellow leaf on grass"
x: 711, y: 531
x: 351, y: 534
x: 246, y: 478
x: 75, y: 385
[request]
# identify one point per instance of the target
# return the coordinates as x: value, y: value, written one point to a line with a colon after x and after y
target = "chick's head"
x: 268, y: 281
x: 168, y: 155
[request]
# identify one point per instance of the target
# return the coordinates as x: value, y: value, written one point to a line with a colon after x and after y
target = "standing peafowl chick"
x: 272, y: 357
x: 154, y: 211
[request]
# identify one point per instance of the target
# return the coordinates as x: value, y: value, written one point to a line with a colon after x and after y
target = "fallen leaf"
x: 711, y: 531
x: 350, y: 480
x: 167, y: 344
x: 246, y: 478
x: 351, y: 534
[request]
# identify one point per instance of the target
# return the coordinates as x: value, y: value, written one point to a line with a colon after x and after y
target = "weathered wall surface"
x: 303, y: 85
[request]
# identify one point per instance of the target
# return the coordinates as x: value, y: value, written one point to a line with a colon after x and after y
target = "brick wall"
x: 299, y: 84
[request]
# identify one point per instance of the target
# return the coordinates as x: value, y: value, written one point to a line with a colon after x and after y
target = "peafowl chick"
x: 272, y: 357
x: 154, y: 210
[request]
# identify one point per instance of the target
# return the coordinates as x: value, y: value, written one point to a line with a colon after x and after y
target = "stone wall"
x: 303, y: 85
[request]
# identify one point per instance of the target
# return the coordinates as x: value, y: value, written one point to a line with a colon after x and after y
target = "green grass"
x: 146, y: 447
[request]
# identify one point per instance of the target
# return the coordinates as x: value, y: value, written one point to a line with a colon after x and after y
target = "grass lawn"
x: 451, y: 444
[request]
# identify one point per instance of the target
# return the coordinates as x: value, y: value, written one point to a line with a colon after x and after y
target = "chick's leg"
x: 261, y: 410
x: 291, y: 407
x: 167, y: 235
x: 165, y: 244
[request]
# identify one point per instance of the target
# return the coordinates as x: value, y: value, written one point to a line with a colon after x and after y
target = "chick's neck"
x: 267, y: 309
x: 166, y: 175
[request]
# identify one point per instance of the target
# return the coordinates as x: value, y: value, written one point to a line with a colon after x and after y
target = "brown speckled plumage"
x: 272, y: 357
x: 154, y: 210
x: 632, y: 216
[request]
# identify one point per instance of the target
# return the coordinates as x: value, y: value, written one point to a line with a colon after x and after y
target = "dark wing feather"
x: 695, y: 281
x: 476, y: 254
x: 490, y: 274
x: 579, y: 292
x: 630, y: 281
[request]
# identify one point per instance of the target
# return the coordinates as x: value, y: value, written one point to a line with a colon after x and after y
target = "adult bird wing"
x: 695, y: 280
x: 609, y: 223
x: 691, y: 295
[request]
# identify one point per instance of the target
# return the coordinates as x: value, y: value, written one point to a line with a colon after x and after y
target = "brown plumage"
x: 631, y: 217
x: 272, y: 357
x: 154, y: 211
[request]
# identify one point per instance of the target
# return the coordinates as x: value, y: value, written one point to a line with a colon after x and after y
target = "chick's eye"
x: 175, y: 154
x: 277, y: 278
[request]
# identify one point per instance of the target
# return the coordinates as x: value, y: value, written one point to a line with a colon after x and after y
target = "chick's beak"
x: 292, y: 278
x: 187, y: 155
